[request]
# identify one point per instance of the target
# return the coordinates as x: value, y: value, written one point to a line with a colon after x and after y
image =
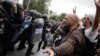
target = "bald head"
x: 71, y: 19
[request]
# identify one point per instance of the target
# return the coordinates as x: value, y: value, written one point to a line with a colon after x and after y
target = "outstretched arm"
x: 97, y: 17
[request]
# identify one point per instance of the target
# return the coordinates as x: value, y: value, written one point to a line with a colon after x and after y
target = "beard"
x: 66, y: 29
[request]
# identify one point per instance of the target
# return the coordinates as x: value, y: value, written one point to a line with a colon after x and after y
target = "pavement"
x: 22, y: 52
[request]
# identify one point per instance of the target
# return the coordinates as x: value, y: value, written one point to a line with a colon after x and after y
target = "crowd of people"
x: 64, y: 38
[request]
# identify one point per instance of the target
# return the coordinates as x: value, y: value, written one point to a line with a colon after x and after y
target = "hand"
x: 49, y: 51
x: 97, y: 3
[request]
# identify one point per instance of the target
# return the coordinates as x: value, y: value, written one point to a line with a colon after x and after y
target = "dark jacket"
x: 71, y: 45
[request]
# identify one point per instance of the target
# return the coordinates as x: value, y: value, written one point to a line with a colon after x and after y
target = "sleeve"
x: 68, y: 47
x: 93, y: 35
x: 64, y: 49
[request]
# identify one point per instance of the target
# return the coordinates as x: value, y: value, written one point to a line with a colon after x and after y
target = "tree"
x: 62, y: 16
x: 58, y: 17
x: 53, y: 17
x: 39, y: 5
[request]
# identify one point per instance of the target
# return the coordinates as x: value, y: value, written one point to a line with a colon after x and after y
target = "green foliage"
x: 39, y: 5
x: 53, y: 17
x: 58, y: 17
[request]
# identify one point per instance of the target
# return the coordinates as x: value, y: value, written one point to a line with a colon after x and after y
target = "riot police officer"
x: 9, y: 9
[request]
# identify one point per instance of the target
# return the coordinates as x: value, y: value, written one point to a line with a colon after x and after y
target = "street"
x: 22, y: 52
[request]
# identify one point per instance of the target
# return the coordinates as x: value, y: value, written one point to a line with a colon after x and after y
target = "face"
x: 86, y: 22
x: 67, y: 21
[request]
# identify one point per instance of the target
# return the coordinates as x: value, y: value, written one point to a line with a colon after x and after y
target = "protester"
x: 66, y: 38
x: 98, y: 43
x: 72, y: 43
x: 91, y: 31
